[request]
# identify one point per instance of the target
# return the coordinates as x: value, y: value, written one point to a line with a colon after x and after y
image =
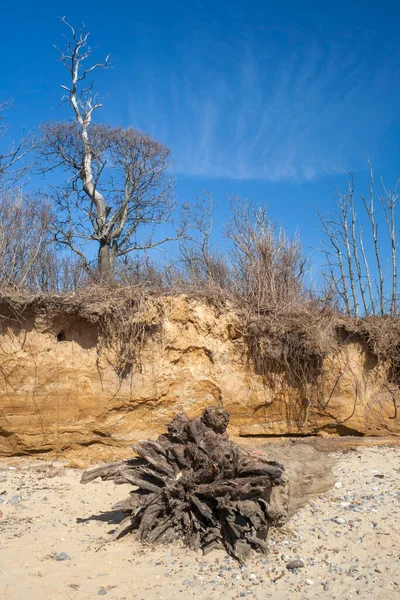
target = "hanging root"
x: 195, y: 484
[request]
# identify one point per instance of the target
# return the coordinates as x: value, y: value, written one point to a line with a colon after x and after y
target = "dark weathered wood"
x: 195, y: 484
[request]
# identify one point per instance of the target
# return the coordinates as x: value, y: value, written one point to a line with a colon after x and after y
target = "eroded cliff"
x: 61, y: 393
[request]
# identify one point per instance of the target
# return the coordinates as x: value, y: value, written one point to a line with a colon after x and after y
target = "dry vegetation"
x: 286, y: 328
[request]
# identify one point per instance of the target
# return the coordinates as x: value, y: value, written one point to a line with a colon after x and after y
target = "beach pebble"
x: 15, y: 500
x: 295, y: 564
x: 101, y: 592
x: 63, y: 556
x: 339, y: 520
x: 309, y: 582
x: 338, y: 485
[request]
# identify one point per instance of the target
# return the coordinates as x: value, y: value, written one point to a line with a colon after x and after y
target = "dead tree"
x: 193, y: 483
x: 118, y: 190
x: 349, y: 274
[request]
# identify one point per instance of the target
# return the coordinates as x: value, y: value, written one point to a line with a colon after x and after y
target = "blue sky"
x: 263, y: 99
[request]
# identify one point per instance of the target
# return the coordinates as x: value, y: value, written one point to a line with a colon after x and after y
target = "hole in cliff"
x: 61, y: 337
x: 344, y: 430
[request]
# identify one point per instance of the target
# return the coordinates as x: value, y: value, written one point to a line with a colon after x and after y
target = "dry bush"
x: 24, y: 224
x: 382, y: 336
x: 150, y: 276
x: 28, y: 258
x: 204, y: 268
x: 267, y: 266
x: 57, y: 274
x: 206, y: 272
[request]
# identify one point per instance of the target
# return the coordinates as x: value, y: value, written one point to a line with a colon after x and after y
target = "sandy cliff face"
x: 59, y: 394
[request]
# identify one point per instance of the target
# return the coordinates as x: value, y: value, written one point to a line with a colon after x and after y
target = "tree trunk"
x: 104, y: 262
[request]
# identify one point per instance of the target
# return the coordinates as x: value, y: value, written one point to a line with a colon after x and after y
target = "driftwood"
x: 195, y: 484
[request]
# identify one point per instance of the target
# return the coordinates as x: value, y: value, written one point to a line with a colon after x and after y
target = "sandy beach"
x: 54, y: 531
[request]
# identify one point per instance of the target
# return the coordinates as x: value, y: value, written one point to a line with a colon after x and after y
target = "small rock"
x: 295, y: 564
x: 63, y: 556
x: 339, y: 520
x: 15, y: 500
x: 101, y: 592
x: 326, y: 586
x: 379, y: 476
x: 309, y: 582
x: 338, y: 485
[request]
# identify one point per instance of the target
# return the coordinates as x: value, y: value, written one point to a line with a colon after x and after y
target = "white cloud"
x: 286, y: 112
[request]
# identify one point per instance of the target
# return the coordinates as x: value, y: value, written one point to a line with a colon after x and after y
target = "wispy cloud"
x: 286, y: 110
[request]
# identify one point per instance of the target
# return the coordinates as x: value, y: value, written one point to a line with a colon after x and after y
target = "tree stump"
x: 193, y: 483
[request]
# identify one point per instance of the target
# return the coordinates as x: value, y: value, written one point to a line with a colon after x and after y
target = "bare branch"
x: 13, y: 165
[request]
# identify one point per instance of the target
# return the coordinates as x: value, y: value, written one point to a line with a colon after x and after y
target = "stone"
x: 62, y: 556
x: 295, y: 564
x: 15, y: 500
x: 339, y: 520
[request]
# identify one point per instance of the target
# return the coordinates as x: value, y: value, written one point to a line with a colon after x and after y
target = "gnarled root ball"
x: 195, y: 484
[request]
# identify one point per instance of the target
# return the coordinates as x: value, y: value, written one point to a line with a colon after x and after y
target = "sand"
x: 348, y: 539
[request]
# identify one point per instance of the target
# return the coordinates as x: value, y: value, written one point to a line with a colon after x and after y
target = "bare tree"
x: 12, y: 155
x: 389, y: 201
x: 202, y: 263
x: 349, y: 273
x: 340, y: 248
x: 118, y: 191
